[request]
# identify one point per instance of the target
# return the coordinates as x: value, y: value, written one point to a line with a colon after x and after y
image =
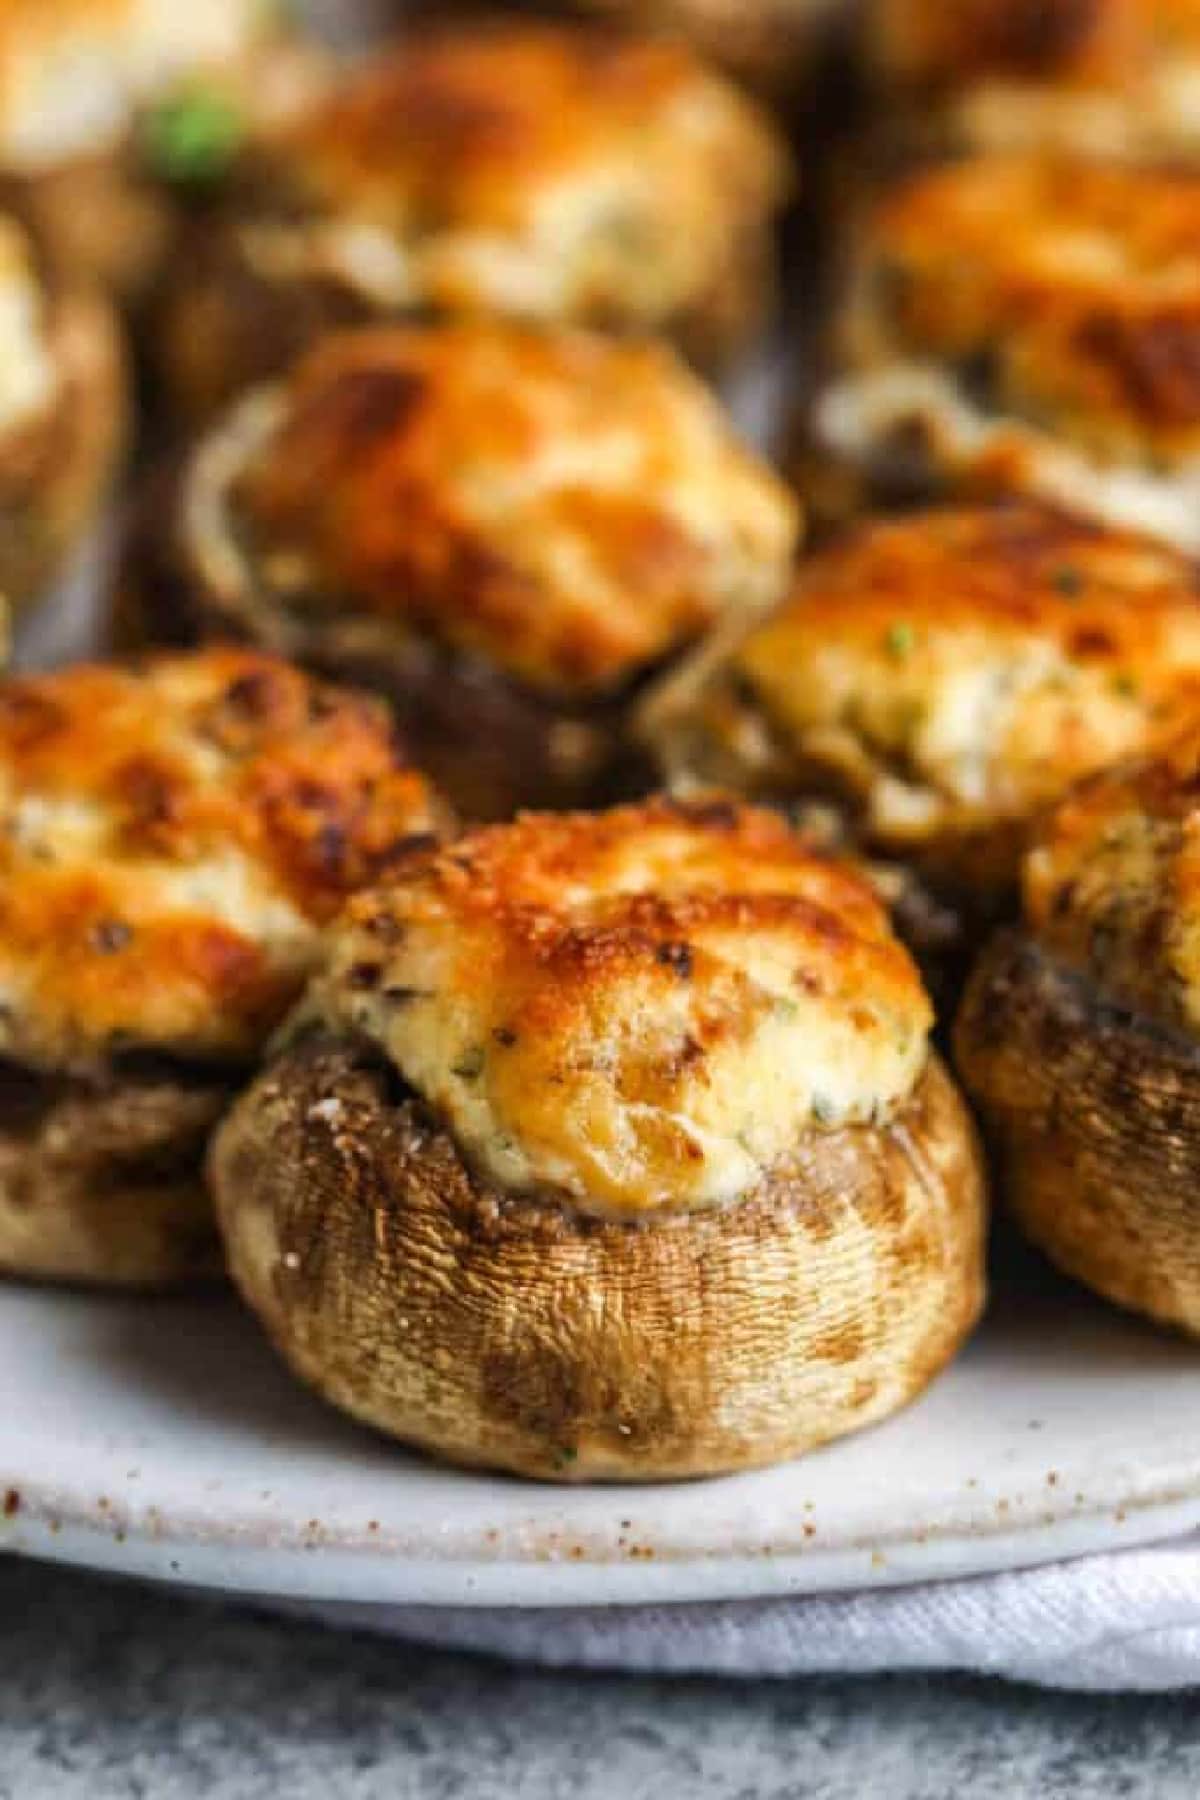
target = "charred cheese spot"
x: 73, y: 72
x: 948, y: 674
x: 636, y: 1010
x: 540, y: 171
x: 1109, y: 77
x: 1112, y: 884
x: 568, y: 508
x: 171, y: 839
x: 28, y: 379
x: 1033, y: 324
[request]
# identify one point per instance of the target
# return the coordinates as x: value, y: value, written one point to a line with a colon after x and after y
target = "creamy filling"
x: 859, y: 413
x: 68, y: 85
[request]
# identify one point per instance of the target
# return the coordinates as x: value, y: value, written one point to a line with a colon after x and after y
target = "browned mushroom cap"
x: 1078, y: 1037
x: 610, y: 1146
x: 173, y: 839
x: 506, y: 530
x: 554, y: 173
x: 1114, y: 78
x: 1029, y: 325
x: 63, y: 416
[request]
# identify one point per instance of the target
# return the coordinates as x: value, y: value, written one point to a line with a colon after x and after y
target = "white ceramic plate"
x: 162, y: 1438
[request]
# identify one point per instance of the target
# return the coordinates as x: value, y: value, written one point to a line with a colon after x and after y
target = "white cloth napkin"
x: 1126, y: 1621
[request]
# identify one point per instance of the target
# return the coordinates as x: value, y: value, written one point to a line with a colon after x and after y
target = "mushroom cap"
x: 610, y: 1145
x: 1093, y: 1113
x: 505, y: 1331
x: 1079, y: 1036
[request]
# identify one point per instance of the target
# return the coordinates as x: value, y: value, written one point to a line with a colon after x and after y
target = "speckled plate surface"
x: 162, y: 1438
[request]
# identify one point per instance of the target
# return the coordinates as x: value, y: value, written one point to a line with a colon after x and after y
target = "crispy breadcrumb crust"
x: 1108, y: 77
x: 486, y: 522
x: 943, y: 677
x: 554, y: 173
x: 174, y: 835
x: 637, y: 1009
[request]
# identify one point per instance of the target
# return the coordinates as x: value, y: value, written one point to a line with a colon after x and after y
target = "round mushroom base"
x: 102, y: 1182
x: 57, y: 470
x: 1095, y: 1118
x: 516, y: 1333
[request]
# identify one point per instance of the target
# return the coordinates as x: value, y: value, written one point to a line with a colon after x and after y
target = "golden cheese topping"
x: 28, y: 377
x: 635, y: 1010
x: 1034, y: 324
x: 1112, y: 885
x: 171, y: 838
x: 1110, y: 77
x: 568, y: 507
x: 72, y: 72
x: 949, y: 673
x: 548, y: 172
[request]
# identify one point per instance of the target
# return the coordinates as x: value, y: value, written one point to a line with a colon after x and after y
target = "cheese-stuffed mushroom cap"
x: 1109, y: 78
x: 1080, y: 1036
x: 63, y: 415
x: 552, y: 173
x: 505, y: 530
x: 174, y: 837
x: 942, y: 678
x: 1016, y: 324
x: 108, y: 108
x: 610, y: 1145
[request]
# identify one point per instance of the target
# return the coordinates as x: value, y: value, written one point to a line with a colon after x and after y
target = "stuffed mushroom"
x: 610, y: 1146
x: 1080, y: 1037
x: 113, y: 111
x: 939, y: 679
x: 173, y: 837
x: 63, y: 415
x: 552, y: 173
x: 1109, y: 78
x: 504, y: 530
x: 1022, y: 325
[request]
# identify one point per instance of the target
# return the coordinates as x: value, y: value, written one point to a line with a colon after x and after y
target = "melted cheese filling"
x: 69, y: 80
x: 568, y: 1051
x: 857, y: 415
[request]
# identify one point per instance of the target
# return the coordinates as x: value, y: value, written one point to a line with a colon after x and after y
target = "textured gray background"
x: 109, y: 1690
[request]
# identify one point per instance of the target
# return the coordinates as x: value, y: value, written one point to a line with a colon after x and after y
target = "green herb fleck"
x: 823, y: 1109
x: 1124, y: 685
x: 469, y: 1066
x: 192, y: 139
x: 566, y: 1456
x: 1068, y: 581
x: 900, y: 639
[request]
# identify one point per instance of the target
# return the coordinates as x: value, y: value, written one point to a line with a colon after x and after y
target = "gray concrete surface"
x: 109, y: 1691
